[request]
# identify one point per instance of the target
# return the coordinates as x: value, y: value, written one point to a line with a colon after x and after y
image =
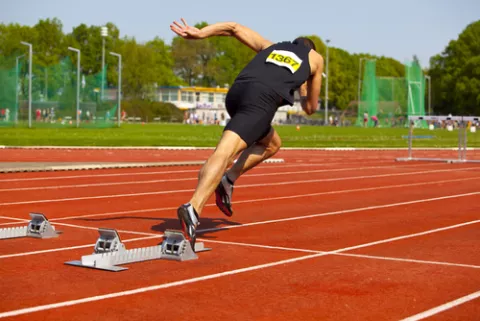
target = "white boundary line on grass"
x: 215, y: 275
x: 238, y: 186
x: 443, y: 307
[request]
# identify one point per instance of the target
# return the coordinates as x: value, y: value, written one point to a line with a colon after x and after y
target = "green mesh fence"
x: 416, y: 91
x: 388, y: 101
x: 54, y: 96
x: 9, y: 80
x: 368, y: 104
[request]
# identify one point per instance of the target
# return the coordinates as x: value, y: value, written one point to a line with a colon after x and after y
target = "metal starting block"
x: 38, y: 227
x: 109, y: 251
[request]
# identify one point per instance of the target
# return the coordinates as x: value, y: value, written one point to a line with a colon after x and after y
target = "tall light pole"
x: 78, y: 84
x: 119, y: 90
x: 104, y: 33
x: 326, y: 89
x: 30, y: 53
x: 429, y: 93
x: 16, y: 87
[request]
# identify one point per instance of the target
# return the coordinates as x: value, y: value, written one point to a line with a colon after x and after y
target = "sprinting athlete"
x: 266, y: 83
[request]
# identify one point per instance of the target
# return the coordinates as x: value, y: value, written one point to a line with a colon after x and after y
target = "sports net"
x: 8, y: 89
x: 54, y: 96
x: 388, y: 101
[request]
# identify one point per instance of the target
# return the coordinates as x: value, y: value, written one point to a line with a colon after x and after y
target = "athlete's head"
x: 305, y: 42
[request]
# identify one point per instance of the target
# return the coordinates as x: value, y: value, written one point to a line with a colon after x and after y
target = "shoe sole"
x: 221, y: 206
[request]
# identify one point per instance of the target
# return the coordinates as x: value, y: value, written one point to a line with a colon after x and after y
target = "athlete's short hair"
x: 305, y: 42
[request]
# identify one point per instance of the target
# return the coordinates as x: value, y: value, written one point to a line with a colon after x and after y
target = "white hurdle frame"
x: 462, y: 139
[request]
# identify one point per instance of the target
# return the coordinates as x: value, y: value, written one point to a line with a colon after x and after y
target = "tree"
x: 456, y: 74
x: 186, y: 65
x: 163, y: 63
x: 48, y: 50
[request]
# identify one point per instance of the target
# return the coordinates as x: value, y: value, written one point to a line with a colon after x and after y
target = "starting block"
x: 38, y: 227
x: 109, y: 251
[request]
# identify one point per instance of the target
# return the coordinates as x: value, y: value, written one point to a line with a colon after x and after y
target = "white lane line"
x: 239, y: 186
x: 158, y: 209
x: 96, y: 229
x: 34, y: 188
x: 6, y: 256
x: 443, y: 307
x: 13, y: 218
x: 26, y: 179
x: 205, y: 277
x: 363, y: 256
x: 368, y: 208
x: 268, y: 198
x: 295, y: 217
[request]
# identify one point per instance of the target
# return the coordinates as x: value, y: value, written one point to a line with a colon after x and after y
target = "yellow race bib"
x: 286, y: 59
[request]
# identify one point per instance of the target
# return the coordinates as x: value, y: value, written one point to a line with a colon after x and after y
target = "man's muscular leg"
x: 212, y: 171
x: 255, y: 154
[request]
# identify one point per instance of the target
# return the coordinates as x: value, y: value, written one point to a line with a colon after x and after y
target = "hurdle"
x: 462, y: 139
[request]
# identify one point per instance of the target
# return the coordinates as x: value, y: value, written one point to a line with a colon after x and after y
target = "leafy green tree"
x: 48, y: 47
x: 163, y: 63
x: 456, y: 74
x: 186, y: 64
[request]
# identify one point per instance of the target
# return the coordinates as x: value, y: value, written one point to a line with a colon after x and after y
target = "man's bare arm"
x: 310, y: 90
x: 245, y: 35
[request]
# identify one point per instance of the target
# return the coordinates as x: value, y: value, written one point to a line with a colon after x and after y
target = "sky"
x: 397, y: 29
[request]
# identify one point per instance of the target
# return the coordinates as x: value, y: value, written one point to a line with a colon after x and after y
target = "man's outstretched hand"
x: 185, y: 31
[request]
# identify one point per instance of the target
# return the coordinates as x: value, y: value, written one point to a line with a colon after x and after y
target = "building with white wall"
x: 207, y: 105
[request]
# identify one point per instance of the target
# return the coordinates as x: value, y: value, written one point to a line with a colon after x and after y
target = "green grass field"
x: 207, y: 136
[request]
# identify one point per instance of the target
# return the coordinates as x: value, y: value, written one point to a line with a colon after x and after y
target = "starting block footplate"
x: 38, y: 227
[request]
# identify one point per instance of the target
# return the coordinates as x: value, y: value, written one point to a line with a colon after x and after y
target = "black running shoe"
x: 189, y: 219
x: 223, y: 196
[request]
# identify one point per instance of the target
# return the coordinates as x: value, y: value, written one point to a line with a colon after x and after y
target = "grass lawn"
x: 207, y: 136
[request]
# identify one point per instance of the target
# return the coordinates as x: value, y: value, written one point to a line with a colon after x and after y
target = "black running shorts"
x: 251, y: 107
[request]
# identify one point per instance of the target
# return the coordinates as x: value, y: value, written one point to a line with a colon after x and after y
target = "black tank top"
x: 284, y: 67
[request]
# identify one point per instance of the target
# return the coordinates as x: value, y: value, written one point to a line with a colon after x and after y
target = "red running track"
x: 323, y: 236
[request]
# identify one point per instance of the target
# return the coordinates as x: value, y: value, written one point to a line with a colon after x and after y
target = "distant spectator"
x: 365, y: 119
x: 375, y: 121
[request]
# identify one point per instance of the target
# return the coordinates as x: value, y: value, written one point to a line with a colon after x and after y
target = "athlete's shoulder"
x: 276, y: 45
x: 316, y: 61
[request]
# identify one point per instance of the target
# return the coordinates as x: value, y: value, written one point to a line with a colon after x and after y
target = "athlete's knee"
x: 228, y: 153
x: 275, y: 144
x: 272, y: 142
x: 224, y: 154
